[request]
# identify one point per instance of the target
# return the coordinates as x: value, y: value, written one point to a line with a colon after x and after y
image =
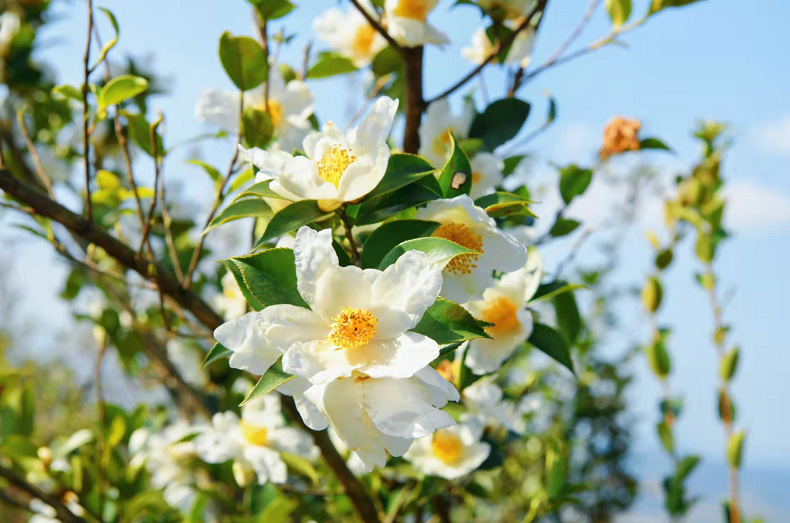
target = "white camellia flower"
x: 231, y: 302
x: 504, y: 305
x: 437, y: 125
x: 350, y: 34
x: 481, y: 48
x: 376, y: 416
x: 486, y: 174
x: 461, y: 221
x: 339, y: 167
x: 407, y: 23
x: 188, y: 361
x: 166, y: 455
x: 484, y: 405
x: 360, y: 319
x: 450, y: 453
x: 254, y: 442
x: 290, y: 106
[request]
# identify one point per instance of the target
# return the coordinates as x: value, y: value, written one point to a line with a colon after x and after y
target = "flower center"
x: 363, y: 39
x: 334, y: 163
x: 414, y: 9
x: 442, y: 142
x: 352, y: 328
x: 447, y: 446
x: 501, y: 311
x: 275, y: 110
x: 254, y: 434
x: 476, y: 177
x: 445, y: 369
x: 465, y: 237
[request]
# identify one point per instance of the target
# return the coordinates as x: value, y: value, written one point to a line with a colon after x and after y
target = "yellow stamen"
x: 445, y: 368
x: 501, y: 311
x: 352, y: 328
x: 476, y: 177
x: 465, y: 237
x: 447, y: 446
x: 254, y: 434
x: 334, y: 163
x: 442, y: 142
x: 414, y: 9
x: 275, y: 112
x: 363, y: 40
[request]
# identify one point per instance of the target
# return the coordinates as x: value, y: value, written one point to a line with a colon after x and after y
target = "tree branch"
x: 64, y: 514
x: 86, y: 115
x: 415, y: 103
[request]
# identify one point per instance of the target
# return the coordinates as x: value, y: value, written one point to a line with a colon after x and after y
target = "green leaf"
x: 729, y: 364
x: 257, y: 127
x: 501, y: 121
x: 379, y: 209
x: 735, y: 448
x: 619, y: 11
x: 552, y: 343
x: 547, y: 291
x: 439, y: 250
x: 666, y: 437
x: 658, y: 5
x: 511, y: 163
x: 402, y: 169
x: 121, y: 88
x: 447, y: 322
x: 456, y: 176
x: 573, y: 182
x: 271, y: 379
x: 270, y: 277
x: 140, y: 132
x: 653, y: 143
x: 67, y: 91
x: 212, y: 171
x: 652, y: 294
x: 272, y: 9
x: 658, y: 357
x: 251, y: 207
x: 568, y: 318
x: 261, y: 190
x: 501, y: 204
x: 301, y: 466
x: 291, y: 218
x: 563, y: 227
x: 331, y: 64
x: 111, y: 43
x: 685, y: 467
x: 233, y: 268
x: 217, y: 352
x: 382, y: 240
x: 243, y: 60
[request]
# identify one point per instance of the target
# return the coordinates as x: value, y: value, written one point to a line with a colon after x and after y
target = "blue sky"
x: 716, y: 59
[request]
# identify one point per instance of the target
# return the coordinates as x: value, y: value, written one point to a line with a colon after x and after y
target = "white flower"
x: 468, y: 275
x: 504, y: 305
x: 436, y: 127
x: 43, y: 513
x: 254, y: 442
x: 350, y: 34
x: 376, y: 416
x: 450, y: 453
x: 166, y: 455
x: 231, y: 302
x: 481, y: 48
x: 407, y: 23
x: 484, y: 405
x: 486, y: 174
x: 188, y: 361
x: 9, y: 27
x: 360, y: 319
x: 338, y: 167
x: 290, y: 106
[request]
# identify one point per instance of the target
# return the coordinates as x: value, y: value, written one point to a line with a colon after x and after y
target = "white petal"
x: 363, y: 175
x: 293, y: 440
x: 399, y: 357
x: 244, y: 336
x: 440, y: 390
x: 403, y: 292
x: 502, y: 251
x: 300, y: 177
x: 267, y: 464
x: 319, y: 361
x: 311, y: 416
x: 374, y: 129
x: 218, y: 108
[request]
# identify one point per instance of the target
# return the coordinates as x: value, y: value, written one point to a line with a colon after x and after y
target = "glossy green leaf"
x: 382, y: 240
x: 261, y: 190
x: 251, y: 207
x: 501, y: 121
x: 402, y: 169
x: 110, y: 43
x: 439, y: 250
x: 501, y: 204
x: 270, y: 277
x: 257, y: 129
x: 271, y: 379
x: 619, y: 11
x: 456, y: 176
x: 563, y: 227
x: 511, y: 163
x: 552, y: 343
x: 446, y: 322
x: 121, y: 88
x: 272, y: 9
x: 140, y: 133
x: 331, y: 64
x: 379, y: 209
x: 653, y: 143
x: 573, y: 182
x: 217, y: 352
x: 292, y: 217
x: 243, y: 60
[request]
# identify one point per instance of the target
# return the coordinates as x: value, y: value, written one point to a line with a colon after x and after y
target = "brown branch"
x: 79, y: 225
x: 499, y: 47
x: 86, y: 115
x: 378, y: 27
x: 217, y: 200
x: 17, y: 480
x: 415, y: 102
x: 354, y: 489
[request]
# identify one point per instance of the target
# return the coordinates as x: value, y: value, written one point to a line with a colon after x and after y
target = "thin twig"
x: 217, y: 202
x: 355, y: 257
x: 157, y: 173
x: 17, y: 480
x: 305, y: 60
x: 31, y: 147
x: 377, y: 26
x: 86, y: 115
